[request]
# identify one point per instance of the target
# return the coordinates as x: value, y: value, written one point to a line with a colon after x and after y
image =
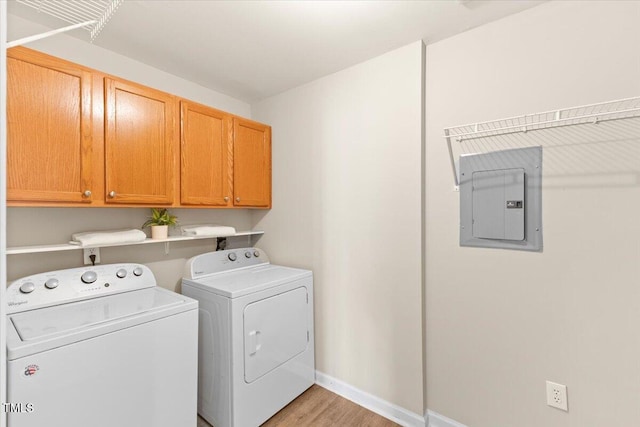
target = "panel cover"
x: 501, y: 199
x: 498, y: 204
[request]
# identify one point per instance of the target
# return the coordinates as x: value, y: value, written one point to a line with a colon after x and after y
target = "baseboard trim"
x: 437, y: 420
x: 381, y: 407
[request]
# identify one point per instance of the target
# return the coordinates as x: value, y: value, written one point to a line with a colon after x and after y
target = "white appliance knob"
x: 122, y: 273
x: 89, y: 277
x: 51, y: 284
x: 137, y: 271
x: 256, y: 254
x: 232, y: 256
x: 27, y: 288
x: 247, y: 254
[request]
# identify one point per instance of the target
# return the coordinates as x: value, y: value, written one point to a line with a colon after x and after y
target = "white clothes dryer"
x: 100, y: 346
x: 256, y: 342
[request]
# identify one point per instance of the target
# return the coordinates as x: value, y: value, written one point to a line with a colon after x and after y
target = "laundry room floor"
x: 318, y: 407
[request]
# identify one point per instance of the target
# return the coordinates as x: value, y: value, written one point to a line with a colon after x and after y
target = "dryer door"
x: 275, y: 331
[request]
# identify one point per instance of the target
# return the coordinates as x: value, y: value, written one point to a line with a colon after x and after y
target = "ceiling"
x: 251, y: 50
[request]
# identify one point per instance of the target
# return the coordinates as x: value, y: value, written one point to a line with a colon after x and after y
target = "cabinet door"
x: 49, y: 129
x: 251, y: 164
x: 139, y: 144
x: 205, y: 173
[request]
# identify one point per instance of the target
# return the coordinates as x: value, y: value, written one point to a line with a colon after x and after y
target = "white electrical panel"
x: 500, y: 199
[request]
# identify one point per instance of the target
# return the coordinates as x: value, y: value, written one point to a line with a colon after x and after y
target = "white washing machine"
x: 100, y: 346
x: 256, y: 349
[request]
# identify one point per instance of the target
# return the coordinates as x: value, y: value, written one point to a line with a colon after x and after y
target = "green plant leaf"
x: 160, y: 216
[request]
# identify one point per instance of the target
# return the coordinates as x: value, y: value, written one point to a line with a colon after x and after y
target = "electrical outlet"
x: 87, y: 256
x: 557, y: 396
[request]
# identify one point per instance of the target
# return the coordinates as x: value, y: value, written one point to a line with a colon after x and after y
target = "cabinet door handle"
x: 87, y: 193
x: 237, y: 199
x: 226, y: 198
x: 112, y: 194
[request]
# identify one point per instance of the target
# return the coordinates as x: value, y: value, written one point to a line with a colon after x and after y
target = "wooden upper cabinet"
x: 251, y: 164
x: 205, y: 156
x: 49, y: 129
x: 79, y: 137
x: 140, y: 139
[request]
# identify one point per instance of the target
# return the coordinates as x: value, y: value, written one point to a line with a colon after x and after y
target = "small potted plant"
x: 160, y: 220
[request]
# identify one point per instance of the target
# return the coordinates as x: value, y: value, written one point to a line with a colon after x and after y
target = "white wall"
x: 347, y: 204
x: 93, y: 56
x: 499, y: 323
x: 32, y: 226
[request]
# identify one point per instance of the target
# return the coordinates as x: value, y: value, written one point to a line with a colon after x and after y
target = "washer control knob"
x: 27, y: 287
x: 89, y: 277
x: 232, y: 256
x: 256, y: 254
x: 51, y: 284
x: 121, y: 274
x: 247, y: 254
x: 137, y: 271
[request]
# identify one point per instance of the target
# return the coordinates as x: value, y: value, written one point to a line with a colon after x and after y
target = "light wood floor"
x: 318, y: 407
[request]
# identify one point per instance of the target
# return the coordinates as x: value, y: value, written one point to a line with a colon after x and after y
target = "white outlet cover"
x: 91, y: 251
x: 557, y: 395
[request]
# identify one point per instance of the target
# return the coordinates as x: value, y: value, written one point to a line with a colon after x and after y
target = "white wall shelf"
x: 91, y: 15
x: 16, y: 250
x: 591, y: 114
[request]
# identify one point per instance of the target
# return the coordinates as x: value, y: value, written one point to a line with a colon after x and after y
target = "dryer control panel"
x: 75, y: 284
x: 221, y: 261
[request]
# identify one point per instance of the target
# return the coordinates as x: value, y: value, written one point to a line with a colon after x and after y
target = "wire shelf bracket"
x: 35, y: 37
x: 585, y: 114
x: 92, y: 15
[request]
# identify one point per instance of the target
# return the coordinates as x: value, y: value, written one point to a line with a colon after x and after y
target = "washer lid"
x: 68, y: 317
x: 237, y: 283
x: 42, y: 329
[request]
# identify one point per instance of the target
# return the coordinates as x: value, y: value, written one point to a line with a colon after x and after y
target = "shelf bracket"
x: 166, y: 248
x: 453, y: 161
x: 35, y: 37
